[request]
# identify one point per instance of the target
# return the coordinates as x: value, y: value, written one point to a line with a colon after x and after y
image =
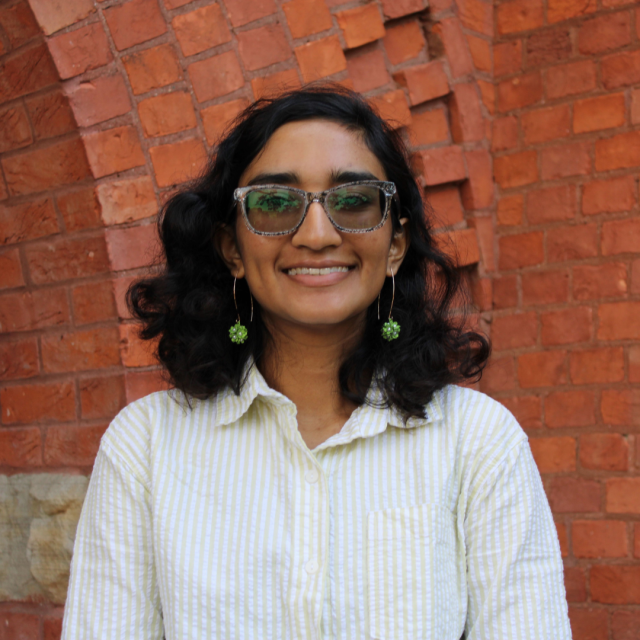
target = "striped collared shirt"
x: 217, y: 521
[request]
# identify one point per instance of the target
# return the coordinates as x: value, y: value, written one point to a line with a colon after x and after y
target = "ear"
x: 226, y: 245
x: 399, y: 247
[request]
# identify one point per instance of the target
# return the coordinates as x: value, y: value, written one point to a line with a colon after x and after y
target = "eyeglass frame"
x: 388, y: 188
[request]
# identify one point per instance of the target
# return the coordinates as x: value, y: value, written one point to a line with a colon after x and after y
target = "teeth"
x: 304, y: 271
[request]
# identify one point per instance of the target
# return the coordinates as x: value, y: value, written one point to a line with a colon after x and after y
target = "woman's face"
x: 314, y: 155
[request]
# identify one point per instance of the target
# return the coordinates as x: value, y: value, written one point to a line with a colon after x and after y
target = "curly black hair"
x: 189, y: 304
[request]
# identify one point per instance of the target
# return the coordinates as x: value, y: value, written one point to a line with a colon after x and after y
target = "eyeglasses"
x: 355, y: 207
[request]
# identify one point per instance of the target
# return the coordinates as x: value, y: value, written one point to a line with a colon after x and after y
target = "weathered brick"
x: 603, y: 112
x: 461, y: 245
x: 554, y: 454
x: 467, y: 122
x: 16, y: 131
x: 548, y: 46
x: 620, y: 407
x: 521, y: 250
x: 167, y: 113
x: 263, y: 47
x: 604, y: 451
x: 18, y: 24
x: 608, y: 196
x: 507, y: 58
x: 565, y: 160
x: 588, y: 623
x: 429, y: 127
x: 634, y: 371
x: 570, y: 79
x: 26, y: 404
x: 620, y: 236
x: 488, y: 93
x: 618, y: 152
x: 551, y: 204
x: 398, y: 8
x: 394, y: 108
x: 126, y: 200
x: 610, y: 31
x: 563, y: 538
x: 320, y: 58
x: 480, y: 50
x: 113, y: 151
x: 274, y: 84
x: 216, y: 76
x: 509, y: 211
x: 403, y: 41
x: 21, y: 447
x: 574, y: 495
x: 80, y: 209
x: 360, y: 25
x: 445, y: 202
x: 133, y: 247
x: 455, y: 47
x: 423, y: 82
x: 566, y: 326
x: 476, y: 15
x: 619, y: 321
x: 52, y: 624
x: 178, y: 162
x: 102, y: 397
x: 504, y: 134
x: 78, y: 51
x: 306, y: 17
x: 478, y: 191
x: 621, y: 69
x: 19, y: 359
x: 542, y: 369
x: 201, y: 29
x: 615, y: 584
x: 519, y: 15
x: 367, y: 70
x: 574, y: 242
x: 545, y: 287
x: 134, y: 22
x: 28, y: 70
x: 152, y: 68
x: 550, y: 123
x: 526, y: 409
x: 519, y: 92
x: 514, y: 331
x: 516, y: 169
x: 558, y: 10
x: 10, y: 269
x: 134, y: 351
x: 80, y: 350
x: 100, y: 99
x: 499, y: 375
x: 244, y: 11
x: 218, y: 117
x: 635, y: 105
x: 71, y: 445
x: 141, y: 383
x: 575, y: 584
x: 596, y: 366
x: 505, y: 292
x: 441, y: 165
x: 50, y: 114
x: 569, y: 409
x: 36, y: 219
x: 625, y: 624
x: 93, y: 302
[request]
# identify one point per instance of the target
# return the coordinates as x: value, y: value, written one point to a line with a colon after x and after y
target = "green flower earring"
x: 238, y: 332
x: 390, y: 329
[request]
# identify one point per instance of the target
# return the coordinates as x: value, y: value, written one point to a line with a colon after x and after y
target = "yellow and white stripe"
x: 218, y: 522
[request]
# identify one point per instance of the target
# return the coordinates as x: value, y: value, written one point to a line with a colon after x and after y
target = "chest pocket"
x: 413, y: 582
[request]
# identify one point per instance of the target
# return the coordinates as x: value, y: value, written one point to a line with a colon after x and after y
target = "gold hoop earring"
x: 390, y: 329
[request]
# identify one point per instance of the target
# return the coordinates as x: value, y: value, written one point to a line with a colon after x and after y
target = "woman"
x: 318, y: 474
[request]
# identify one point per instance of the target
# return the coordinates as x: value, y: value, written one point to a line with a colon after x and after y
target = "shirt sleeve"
x: 514, y: 567
x: 113, y: 592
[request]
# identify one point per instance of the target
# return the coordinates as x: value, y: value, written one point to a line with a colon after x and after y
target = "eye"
x: 350, y: 201
x: 273, y: 202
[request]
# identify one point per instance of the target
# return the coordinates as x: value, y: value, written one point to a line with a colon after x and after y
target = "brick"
x: 102, y: 397
x: 519, y: 92
x: 455, y: 47
x: 16, y: 131
x: 476, y: 15
x: 519, y: 15
x: 620, y: 236
x: 423, y: 82
x: 480, y: 51
x: 142, y: 383
x: 554, y: 455
x: 75, y: 446
x: 549, y: 46
x: 467, y: 122
x: 608, y: 196
x: 52, y: 625
x: 570, y: 79
x: 488, y: 93
x: 478, y: 191
x: 10, y: 269
x: 28, y: 310
x: 36, y: 219
x: 274, y: 84
x: 216, y: 76
x: 113, y: 151
x: 80, y: 50
x: 574, y: 495
x: 603, y: 112
x: 521, y: 250
x: 551, y: 204
x: 504, y: 134
x: 429, y: 127
x: 20, y: 447
x: 28, y: 70
x: 572, y: 242
x: 485, y: 233
x: 133, y: 247
x: 596, y: 366
x: 57, y: 164
x: 625, y: 624
x: 635, y: 106
x: 127, y: 200
x: 80, y: 209
x: 604, y: 451
x: 575, y: 584
x: 242, y: 12
x: 516, y: 169
x: 507, y: 58
x: 445, y: 202
x: 53, y: 17
x: 545, y: 287
x: 19, y: 626
x: 18, y: 24
x: 134, y: 22
x: 367, y: 70
x: 64, y: 259
x: 360, y: 25
x: 567, y: 326
x: 542, y: 369
x: 320, y: 58
x: 306, y: 17
x: 120, y: 287
x: 514, y: 331
x: 217, y: 118
x: 617, y: 584
x: 263, y: 47
x: 526, y: 409
x: 505, y: 292
x: 565, y: 160
x: 550, y: 123
x: 80, y: 350
x: 499, y: 375
x: 93, y: 302
x: 634, y: 367
x: 558, y: 10
x: 403, y: 41
x: 165, y: 114
x: 201, y: 29
x: 621, y: 69
x: 460, y: 245
x: 563, y: 538
x: 50, y: 115
x: 152, y: 68
x: 619, y: 321
x: 442, y: 165
x: 481, y: 291
x: 604, y: 33
x: 394, y: 108
x: 134, y: 351
x: 618, y: 152
x: 98, y: 100
x: 19, y: 359
x: 398, y: 8
x: 509, y: 211
x: 569, y: 409
x: 589, y: 624
x: 620, y: 407
x: 178, y: 162
x: 38, y: 403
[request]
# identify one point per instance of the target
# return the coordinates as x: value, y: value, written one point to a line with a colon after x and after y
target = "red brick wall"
x: 127, y: 97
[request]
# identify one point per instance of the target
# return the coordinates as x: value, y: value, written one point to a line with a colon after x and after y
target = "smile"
x: 308, y: 271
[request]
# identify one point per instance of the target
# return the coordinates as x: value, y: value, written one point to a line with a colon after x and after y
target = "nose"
x: 316, y: 232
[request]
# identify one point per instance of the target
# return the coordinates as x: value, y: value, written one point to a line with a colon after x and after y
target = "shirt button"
x: 311, y: 476
x: 311, y: 567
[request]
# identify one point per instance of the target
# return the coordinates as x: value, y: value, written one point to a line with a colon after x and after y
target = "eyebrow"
x: 337, y: 176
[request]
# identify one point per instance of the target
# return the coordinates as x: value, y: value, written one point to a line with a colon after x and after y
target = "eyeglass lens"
x: 354, y: 207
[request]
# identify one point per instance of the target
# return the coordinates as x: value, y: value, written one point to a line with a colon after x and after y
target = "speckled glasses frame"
x: 387, y: 188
